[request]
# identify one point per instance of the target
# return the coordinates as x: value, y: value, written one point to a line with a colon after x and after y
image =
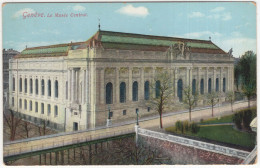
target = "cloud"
x: 55, y: 32
x: 224, y: 16
x: 202, y: 34
x: 196, y: 15
x: 79, y: 8
x: 217, y: 9
x: 20, y: 12
x: 134, y: 11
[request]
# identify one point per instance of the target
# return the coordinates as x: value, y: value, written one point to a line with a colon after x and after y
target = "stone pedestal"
x: 109, y: 122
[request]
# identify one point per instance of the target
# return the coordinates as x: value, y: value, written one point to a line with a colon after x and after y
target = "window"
x: 29, y: 118
x: 209, y: 86
x: 224, y: 84
x: 124, y: 112
x: 202, y: 86
x: 148, y: 109
x: 36, y: 107
x: 49, y: 109
x: 21, y: 85
x: 35, y: 120
x: 56, y: 89
x: 31, y: 86
x: 30, y: 104
x: 111, y: 114
x: 146, y: 90
x: 193, y: 86
x: 55, y: 125
x: 180, y: 88
x: 75, y: 126
x: 217, y: 85
x: 49, y: 88
x: 157, y: 89
x: 42, y: 86
x: 20, y: 103
x: 13, y: 84
x: 55, y: 111
x: 67, y: 90
x: 135, y: 91
x: 42, y: 108
x: 122, y: 92
x: 25, y: 85
x: 109, y: 93
x: 25, y: 104
x: 12, y: 101
x: 36, y: 87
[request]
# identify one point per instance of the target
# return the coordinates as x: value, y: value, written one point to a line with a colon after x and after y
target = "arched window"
x: 157, y: 88
x: 122, y: 92
x: 202, y: 86
x: 217, y: 85
x: 49, y: 87
x: 135, y: 91
x: 180, y: 88
x: 224, y: 84
x: 146, y: 90
x: 36, y: 86
x: 13, y: 84
x: 43, y: 86
x: 21, y: 85
x: 56, y: 89
x: 109, y: 93
x: 25, y: 85
x: 209, y: 86
x: 25, y: 104
x: 193, y: 86
x: 31, y: 86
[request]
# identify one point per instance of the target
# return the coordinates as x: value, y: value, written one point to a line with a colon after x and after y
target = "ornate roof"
x: 123, y: 41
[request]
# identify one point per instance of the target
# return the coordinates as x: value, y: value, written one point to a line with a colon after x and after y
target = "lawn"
x: 223, y: 133
x: 224, y: 119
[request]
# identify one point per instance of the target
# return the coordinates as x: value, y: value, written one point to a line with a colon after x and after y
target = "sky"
x: 229, y: 24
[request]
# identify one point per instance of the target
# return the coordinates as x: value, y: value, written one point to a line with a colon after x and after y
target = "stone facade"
x: 98, y: 76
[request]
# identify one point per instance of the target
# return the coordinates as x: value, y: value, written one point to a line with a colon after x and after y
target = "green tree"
x: 190, y: 99
x: 230, y: 98
x: 213, y: 99
x: 163, y: 90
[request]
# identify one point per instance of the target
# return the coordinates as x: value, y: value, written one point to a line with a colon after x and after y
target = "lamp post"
x: 137, y: 111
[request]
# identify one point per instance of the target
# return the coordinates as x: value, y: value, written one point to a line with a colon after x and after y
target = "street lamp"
x: 137, y: 111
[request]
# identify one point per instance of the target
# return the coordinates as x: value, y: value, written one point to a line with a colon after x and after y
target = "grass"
x: 223, y: 133
x: 224, y: 119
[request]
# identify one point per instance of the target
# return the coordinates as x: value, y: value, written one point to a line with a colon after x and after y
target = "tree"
x: 246, y: 69
x: 27, y: 127
x: 12, y: 122
x: 190, y: 99
x: 213, y: 99
x: 42, y: 128
x: 162, y: 88
x: 231, y: 98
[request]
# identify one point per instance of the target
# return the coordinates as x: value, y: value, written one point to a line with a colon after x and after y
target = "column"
x: 221, y: 80
x: 232, y: 75
x: 76, y: 86
x: 187, y: 83
x: 72, y: 85
x: 176, y: 71
x: 84, y: 87
x: 153, y: 81
x: 117, y: 85
x: 87, y: 86
x: 207, y: 81
x: 228, y: 79
x: 68, y: 79
x: 102, y: 90
x: 130, y: 83
x: 198, y: 81
x: 214, y: 80
x: 141, y: 87
x: 190, y: 77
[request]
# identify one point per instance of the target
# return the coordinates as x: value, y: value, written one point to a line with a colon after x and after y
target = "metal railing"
x: 77, y: 138
x: 251, y: 156
x: 195, y: 143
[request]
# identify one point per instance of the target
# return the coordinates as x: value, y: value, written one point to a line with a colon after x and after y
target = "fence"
x: 77, y: 138
x: 194, y: 143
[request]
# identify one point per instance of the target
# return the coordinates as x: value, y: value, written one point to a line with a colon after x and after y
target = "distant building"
x: 7, y: 54
x: 74, y: 85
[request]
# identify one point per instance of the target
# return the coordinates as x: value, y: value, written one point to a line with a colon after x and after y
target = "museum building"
x: 78, y: 86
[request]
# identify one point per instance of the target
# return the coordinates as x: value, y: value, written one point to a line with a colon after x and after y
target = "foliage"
x: 185, y: 126
x: 190, y: 99
x: 244, y: 117
x: 194, y: 127
x: 13, y: 123
x: 216, y: 120
x: 213, y: 99
x: 163, y: 100
x: 237, y: 119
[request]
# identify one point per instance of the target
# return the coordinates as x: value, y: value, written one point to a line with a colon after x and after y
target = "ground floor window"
x: 75, y: 126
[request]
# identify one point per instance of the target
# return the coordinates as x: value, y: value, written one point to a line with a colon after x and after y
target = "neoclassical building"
x: 74, y: 86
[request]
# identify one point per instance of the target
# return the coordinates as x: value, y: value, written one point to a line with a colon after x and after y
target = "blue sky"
x: 229, y: 24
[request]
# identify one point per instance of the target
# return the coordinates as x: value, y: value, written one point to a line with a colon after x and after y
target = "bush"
x: 178, y: 125
x: 194, y: 127
x: 247, y: 118
x: 237, y: 119
x: 186, y: 126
